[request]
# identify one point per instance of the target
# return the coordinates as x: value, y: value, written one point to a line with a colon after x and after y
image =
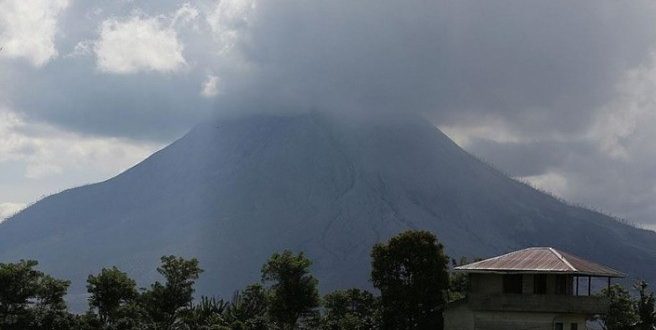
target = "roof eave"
x: 532, y: 271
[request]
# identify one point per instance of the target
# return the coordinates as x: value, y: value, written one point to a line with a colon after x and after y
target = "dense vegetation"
x: 628, y: 312
x: 410, y: 271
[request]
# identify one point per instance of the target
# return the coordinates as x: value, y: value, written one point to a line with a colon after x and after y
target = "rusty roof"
x: 540, y: 260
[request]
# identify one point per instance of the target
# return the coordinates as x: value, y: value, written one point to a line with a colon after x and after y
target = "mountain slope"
x: 232, y: 192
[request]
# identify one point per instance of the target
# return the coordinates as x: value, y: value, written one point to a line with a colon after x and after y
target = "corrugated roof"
x: 540, y: 260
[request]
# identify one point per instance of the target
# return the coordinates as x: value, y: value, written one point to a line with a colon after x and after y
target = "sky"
x: 559, y: 94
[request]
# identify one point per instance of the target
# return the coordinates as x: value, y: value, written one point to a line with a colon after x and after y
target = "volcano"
x: 233, y: 191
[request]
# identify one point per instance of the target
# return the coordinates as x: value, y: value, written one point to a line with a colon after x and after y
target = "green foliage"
x: 207, y: 314
x: 458, y: 282
x: 30, y: 299
x: 351, y: 309
x: 411, y: 273
x: 645, y: 307
x: 112, y: 295
x: 622, y: 313
x: 293, y: 291
x: 248, y: 309
x: 410, y: 270
x: 166, y: 303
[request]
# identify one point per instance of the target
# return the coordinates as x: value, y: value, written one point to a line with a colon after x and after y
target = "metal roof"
x: 540, y: 260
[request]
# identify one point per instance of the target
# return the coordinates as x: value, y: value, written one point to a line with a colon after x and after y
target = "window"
x: 574, y: 326
x: 561, y: 284
x: 512, y: 283
x: 540, y: 284
x: 559, y: 326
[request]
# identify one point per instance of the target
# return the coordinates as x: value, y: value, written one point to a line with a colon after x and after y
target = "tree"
x: 622, y: 313
x: 645, y: 307
x: 165, y: 303
x: 246, y: 311
x: 110, y: 292
x: 20, y: 283
x: 207, y: 314
x: 248, y: 308
x: 411, y: 273
x: 293, y: 290
x: 30, y: 299
x: 351, y: 309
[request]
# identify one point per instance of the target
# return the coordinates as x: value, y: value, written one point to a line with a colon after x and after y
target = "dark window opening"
x: 561, y: 284
x: 574, y: 326
x: 540, y: 284
x: 512, y: 283
x: 559, y: 326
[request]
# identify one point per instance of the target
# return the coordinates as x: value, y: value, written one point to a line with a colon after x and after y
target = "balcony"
x: 539, y: 303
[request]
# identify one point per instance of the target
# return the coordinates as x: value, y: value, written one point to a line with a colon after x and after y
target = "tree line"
x: 410, y: 272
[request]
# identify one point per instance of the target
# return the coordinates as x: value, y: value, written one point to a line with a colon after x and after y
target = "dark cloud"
x: 150, y: 106
x: 536, y: 65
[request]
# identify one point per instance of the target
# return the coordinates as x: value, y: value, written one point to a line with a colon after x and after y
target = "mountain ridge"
x: 233, y: 191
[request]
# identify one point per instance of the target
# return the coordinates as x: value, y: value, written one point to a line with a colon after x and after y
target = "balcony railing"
x: 539, y: 303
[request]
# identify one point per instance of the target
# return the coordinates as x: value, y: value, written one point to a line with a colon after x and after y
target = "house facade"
x: 536, y: 288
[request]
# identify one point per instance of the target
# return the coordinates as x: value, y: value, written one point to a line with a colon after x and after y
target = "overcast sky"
x: 560, y: 94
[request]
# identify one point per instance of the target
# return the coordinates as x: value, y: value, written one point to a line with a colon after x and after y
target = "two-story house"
x: 537, y: 288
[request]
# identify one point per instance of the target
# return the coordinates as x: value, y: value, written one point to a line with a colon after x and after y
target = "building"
x: 537, y: 288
